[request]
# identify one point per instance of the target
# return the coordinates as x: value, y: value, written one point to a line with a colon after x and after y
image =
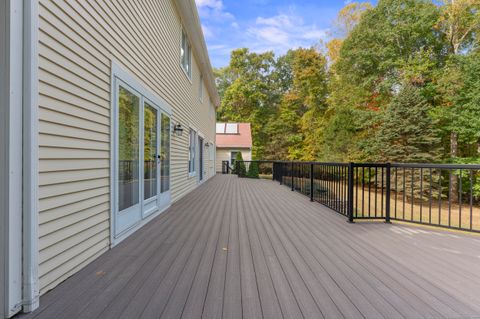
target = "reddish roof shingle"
x: 242, y: 139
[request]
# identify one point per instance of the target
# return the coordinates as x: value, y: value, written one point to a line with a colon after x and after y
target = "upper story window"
x: 200, y: 89
x: 231, y: 128
x: 186, y: 55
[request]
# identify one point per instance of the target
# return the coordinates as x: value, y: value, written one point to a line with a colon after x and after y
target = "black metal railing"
x: 433, y: 194
x: 226, y: 169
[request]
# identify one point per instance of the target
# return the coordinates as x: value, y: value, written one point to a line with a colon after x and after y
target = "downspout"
x: 30, y: 155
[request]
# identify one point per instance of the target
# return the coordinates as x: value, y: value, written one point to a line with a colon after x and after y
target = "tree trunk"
x: 453, y: 145
x: 478, y: 148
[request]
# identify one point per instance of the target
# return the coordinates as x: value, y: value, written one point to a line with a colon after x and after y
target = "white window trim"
x: 142, y: 88
x: 118, y: 72
x: 19, y: 136
x: 195, y: 138
x: 189, y: 75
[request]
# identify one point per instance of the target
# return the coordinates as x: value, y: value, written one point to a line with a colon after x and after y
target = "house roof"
x: 191, y: 24
x: 234, y: 135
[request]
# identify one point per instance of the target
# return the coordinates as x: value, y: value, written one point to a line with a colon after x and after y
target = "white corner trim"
x: 113, y: 155
x: 30, y: 155
x: 12, y: 163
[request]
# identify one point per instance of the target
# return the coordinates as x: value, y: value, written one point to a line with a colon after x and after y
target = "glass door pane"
x: 150, y: 151
x: 200, y: 158
x: 128, y: 149
x: 165, y: 154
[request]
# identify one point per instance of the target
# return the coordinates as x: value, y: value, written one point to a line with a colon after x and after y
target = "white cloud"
x: 282, y: 32
x: 213, y: 10
x: 214, y: 4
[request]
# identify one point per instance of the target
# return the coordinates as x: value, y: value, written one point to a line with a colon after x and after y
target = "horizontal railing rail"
x: 444, y: 195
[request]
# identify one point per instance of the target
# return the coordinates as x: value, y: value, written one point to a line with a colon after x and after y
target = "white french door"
x: 142, y: 158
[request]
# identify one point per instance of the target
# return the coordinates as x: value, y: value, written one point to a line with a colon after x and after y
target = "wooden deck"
x: 240, y: 248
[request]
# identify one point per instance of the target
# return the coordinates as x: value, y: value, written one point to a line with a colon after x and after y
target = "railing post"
x: 311, y: 182
x: 280, y: 165
x: 273, y: 171
x: 387, y: 200
x: 291, y: 174
x: 351, y: 168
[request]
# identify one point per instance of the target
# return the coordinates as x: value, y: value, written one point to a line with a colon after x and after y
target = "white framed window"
x: 231, y: 128
x: 186, y: 55
x: 233, y: 157
x: 200, y: 89
x: 191, y: 152
x: 220, y: 128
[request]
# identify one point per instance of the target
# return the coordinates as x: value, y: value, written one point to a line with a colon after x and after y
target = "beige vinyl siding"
x: 78, y: 42
x: 223, y: 154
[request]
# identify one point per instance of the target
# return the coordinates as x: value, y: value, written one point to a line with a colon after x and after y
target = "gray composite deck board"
x: 241, y: 248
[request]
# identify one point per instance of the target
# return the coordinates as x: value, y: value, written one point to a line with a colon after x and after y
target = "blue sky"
x: 263, y: 25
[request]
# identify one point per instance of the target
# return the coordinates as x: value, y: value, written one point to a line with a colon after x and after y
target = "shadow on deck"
x: 240, y: 248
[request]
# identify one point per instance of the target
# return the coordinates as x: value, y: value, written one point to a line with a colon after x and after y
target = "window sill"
x: 192, y: 174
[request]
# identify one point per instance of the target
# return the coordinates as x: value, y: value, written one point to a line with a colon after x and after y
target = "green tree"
x: 250, y: 96
x: 387, y: 39
x: 459, y: 21
x: 240, y: 168
x: 395, y: 42
x: 253, y: 170
x: 406, y: 132
x: 459, y: 111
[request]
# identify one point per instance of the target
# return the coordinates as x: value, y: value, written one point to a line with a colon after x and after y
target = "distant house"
x: 233, y: 138
x: 107, y: 117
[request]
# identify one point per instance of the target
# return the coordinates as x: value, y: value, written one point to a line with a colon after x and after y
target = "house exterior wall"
x: 223, y: 154
x: 78, y: 41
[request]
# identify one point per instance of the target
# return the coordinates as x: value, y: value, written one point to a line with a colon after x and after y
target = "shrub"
x: 253, y: 170
x: 239, y: 168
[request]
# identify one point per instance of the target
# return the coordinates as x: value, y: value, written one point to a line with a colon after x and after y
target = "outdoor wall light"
x: 178, y: 129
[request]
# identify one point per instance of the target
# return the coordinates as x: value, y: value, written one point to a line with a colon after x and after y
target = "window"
x: 220, y: 128
x: 192, y: 149
x: 227, y: 128
x: 233, y: 156
x: 128, y: 148
x: 231, y: 128
x: 165, y: 154
x: 186, y: 55
x: 200, y: 90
